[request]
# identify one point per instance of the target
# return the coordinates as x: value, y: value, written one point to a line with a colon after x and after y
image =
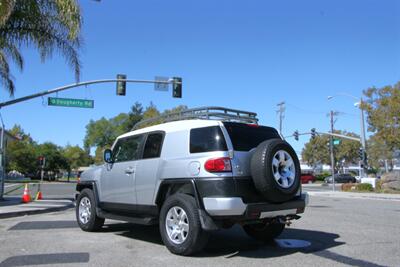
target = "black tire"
x: 265, y: 232
x: 196, y: 238
x: 262, y: 171
x: 94, y: 222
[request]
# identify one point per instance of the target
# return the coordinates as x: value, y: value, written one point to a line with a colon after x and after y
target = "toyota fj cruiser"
x: 196, y: 171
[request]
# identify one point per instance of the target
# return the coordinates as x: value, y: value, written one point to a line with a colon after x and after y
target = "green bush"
x: 364, y: 187
x: 322, y: 176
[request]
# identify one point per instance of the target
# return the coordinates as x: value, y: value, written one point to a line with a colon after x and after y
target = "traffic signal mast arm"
x: 330, y: 134
x: 66, y: 87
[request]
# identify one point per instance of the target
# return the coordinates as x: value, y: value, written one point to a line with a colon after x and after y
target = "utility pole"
x: 2, y: 158
x: 332, y: 114
x: 281, y: 112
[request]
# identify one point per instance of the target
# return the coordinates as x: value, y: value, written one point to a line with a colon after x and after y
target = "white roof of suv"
x: 174, y: 126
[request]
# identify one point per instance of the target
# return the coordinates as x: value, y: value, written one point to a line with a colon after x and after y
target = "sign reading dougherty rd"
x: 70, y: 102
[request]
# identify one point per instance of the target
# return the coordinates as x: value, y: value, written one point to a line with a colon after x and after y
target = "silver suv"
x: 196, y: 171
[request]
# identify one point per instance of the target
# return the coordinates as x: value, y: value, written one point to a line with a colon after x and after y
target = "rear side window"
x: 244, y: 137
x: 207, y: 139
x: 152, y: 149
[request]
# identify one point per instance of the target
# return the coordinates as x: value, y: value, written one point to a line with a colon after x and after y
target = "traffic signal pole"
x: 176, y: 82
x: 66, y: 87
x: 331, y: 152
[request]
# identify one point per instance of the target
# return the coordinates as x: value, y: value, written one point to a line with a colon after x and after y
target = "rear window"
x: 244, y: 137
x: 207, y: 139
x: 152, y: 149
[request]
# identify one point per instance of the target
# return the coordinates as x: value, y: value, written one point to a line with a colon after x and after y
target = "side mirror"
x: 108, y: 156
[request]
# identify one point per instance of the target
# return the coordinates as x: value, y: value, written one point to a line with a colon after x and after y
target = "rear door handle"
x: 129, y: 170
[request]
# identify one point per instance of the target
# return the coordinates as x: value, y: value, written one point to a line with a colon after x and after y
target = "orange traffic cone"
x: 38, y: 195
x: 26, y: 197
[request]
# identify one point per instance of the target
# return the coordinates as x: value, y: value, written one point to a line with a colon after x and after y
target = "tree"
x: 76, y: 157
x: 55, y: 160
x: 21, y: 154
x: 383, y: 111
x: 316, y: 151
x: 378, y: 152
x: 102, y: 133
x: 47, y: 25
x: 99, y: 133
x: 135, y: 115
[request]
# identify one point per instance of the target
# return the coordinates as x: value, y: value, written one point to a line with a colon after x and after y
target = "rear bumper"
x: 234, y: 206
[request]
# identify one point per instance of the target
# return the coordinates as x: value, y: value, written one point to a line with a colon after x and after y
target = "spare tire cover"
x: 275, y: 170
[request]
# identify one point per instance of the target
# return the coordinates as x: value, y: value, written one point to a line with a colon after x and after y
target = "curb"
x: 34, y: 212
x: 355, y: 195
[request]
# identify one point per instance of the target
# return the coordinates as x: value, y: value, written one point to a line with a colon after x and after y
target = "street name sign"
x: 161, y: 86
x: 70, y: 102
x: 336, y: 142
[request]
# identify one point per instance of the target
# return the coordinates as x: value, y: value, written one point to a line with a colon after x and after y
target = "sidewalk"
x: 12, y: 207
x: 340, y: 194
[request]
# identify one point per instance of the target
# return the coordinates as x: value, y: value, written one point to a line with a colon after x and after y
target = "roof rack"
x: 204, y: 113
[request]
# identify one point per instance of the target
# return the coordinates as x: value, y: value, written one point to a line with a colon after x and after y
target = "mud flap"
x: 207, y: 223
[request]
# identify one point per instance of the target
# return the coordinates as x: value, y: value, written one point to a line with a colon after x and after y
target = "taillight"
x: 218, y: 165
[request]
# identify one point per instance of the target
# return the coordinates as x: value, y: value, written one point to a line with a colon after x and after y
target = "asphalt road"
x: 52, y: 190
x: 56, y: 190
x: 332, y: 232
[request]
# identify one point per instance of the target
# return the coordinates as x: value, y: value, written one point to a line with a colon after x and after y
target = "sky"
x: 247, y: 55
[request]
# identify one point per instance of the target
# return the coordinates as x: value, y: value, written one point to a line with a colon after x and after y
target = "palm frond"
x: 48, y: 25
x: 6, y: 8
x: 5, y: 76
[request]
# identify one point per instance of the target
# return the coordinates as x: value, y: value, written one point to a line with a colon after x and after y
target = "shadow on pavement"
x: 234, y: 243
x: 135, y: 231
x: 43, y: 225
x: 49, y: 259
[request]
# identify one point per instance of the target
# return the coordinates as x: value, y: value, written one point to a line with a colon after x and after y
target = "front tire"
x: 265, y: 232
x: 180, y: 225
x: 86, y: 212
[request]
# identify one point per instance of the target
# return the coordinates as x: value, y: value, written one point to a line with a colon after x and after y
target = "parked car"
x: 307, y: 178
x: 341, y: 178
x: 193, y: 175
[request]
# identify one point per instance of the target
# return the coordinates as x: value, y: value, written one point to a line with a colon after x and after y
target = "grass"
x: 65, y: 179
x: 21, y: 181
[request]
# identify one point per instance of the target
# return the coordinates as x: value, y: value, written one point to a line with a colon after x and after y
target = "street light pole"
x: 331, y: 152
x: 362, y: 125
x: 363, y: 139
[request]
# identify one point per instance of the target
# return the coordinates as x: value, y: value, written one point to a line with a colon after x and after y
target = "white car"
x: 196, y: 171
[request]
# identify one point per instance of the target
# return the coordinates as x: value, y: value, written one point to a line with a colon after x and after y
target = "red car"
x: 307, y: 178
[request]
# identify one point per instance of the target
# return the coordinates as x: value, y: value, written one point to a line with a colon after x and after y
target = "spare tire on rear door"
x: 275, y: 170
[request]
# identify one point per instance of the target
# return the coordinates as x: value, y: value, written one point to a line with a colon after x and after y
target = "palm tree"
x: 47, y: 25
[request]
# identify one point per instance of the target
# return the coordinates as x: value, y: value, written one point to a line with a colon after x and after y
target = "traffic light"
x: 296, y: 135
x: 41, y: 161
x: 177, y: 87
x: 361, y: 153
x: 121, y: 85
x: 313, y: 133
